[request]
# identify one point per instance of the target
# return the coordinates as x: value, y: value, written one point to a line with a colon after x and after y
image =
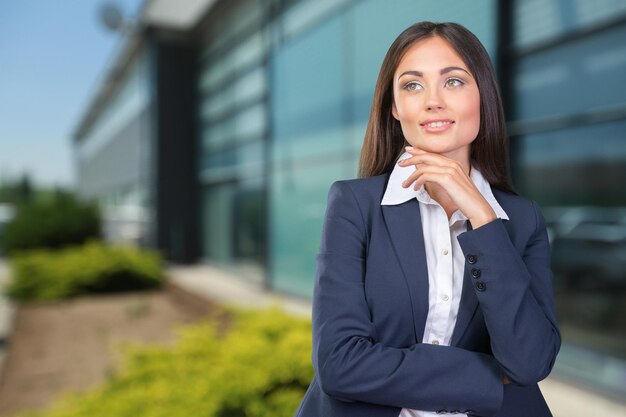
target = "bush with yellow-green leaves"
x: 259, y: 368
x: 94, y: 267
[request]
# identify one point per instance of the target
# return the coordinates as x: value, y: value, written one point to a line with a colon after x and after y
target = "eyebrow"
x: 441, y: 72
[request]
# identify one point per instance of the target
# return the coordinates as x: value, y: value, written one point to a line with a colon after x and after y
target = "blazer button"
x: 480, y: 286
x: 475, y: 272
x: 472, y: 259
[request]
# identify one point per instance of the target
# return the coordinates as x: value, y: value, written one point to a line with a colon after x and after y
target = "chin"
x: 441, y: 145
x: 433, y: 148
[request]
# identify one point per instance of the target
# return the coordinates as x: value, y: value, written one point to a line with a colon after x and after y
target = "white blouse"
x: 444, y: 257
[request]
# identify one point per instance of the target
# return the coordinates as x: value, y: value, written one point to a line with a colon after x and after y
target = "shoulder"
x: 359, y: 197
x: 364, y: 190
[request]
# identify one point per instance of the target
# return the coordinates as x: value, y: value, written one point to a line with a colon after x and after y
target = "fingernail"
x: 408, y: 148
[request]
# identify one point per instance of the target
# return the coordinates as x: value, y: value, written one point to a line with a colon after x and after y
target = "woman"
x: 433, y: 291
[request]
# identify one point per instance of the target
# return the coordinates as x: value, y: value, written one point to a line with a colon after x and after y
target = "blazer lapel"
x: 467, y: 306
x: 405, y: 230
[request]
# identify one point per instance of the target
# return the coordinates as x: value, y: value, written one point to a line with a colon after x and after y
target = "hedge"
x: 58, y: 221
x: 259, y: 368
x: 91, y: 268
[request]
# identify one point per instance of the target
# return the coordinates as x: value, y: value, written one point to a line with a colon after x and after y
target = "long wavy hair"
x: 384, y: 141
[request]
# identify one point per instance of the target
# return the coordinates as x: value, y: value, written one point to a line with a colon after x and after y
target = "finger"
x: 415, y: 151
x: 419, y: 151
x: 419, y: 159
x: 424, y: 173
x: 449, y: 178
x: 440, y: 178
x: 430, y: 159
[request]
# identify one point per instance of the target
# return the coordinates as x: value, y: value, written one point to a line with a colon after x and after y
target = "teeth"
x: 437, y: 124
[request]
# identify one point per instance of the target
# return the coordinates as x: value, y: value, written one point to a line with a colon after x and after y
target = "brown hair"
x: 384, y: 141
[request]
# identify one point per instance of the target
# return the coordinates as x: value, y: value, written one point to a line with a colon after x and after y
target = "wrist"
x: 483, y: 218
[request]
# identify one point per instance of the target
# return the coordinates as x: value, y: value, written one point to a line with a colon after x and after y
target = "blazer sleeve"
x: 515, y: 294
x: 352, y: 365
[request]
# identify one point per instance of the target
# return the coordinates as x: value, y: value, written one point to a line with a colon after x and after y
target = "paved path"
x: 224, y: 287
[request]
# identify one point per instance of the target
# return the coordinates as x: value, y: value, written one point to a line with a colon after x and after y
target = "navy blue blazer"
x: 371, y: 300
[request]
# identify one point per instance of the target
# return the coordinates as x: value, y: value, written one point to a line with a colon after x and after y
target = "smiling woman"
x: 463, y: 69
x: 437, y: 107
x: 433, y: 291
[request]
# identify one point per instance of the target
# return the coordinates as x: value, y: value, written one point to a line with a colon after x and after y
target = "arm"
x: 515, y: 293
x: 352, y: 365
x: 516, y: 300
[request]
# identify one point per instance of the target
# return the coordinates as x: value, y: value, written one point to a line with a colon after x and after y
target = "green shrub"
x: 260, y: 368
x: 58, y: 221
x: 91, y: 268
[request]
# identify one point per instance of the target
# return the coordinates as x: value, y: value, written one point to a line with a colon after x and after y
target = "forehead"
x: 430, y: 54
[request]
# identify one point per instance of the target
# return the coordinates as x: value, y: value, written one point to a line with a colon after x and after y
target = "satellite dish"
x: 111, y: 17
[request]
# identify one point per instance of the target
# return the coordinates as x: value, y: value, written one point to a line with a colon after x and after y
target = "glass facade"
x: 570, y: 152
x: 323, y: 78
x: 233, y: 119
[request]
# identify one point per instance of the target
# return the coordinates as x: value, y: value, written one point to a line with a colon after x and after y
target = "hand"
x: 449, y: 174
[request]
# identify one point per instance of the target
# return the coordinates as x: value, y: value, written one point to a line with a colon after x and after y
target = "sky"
x: 53, y: 55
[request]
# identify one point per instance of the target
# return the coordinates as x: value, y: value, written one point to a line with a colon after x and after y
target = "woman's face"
x: 436, y: 99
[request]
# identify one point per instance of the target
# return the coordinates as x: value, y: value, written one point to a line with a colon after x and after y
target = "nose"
x: 434, y: 100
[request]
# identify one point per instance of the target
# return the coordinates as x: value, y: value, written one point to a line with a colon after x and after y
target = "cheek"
x: 472, y: 114
x: 407, y: 116
x: 406, y: 110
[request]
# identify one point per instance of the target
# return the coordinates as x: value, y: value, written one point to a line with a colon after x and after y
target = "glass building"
x: 567, y: 121
x: 284, y: 95
x: 227, y: 132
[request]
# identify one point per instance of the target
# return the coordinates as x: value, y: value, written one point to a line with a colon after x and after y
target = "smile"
x: 437, y: 125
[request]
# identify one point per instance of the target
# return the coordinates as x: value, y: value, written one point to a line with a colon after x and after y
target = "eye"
x: 453, y: 82
x: 412, y: 86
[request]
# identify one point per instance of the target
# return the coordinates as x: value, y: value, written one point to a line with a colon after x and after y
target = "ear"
x: 394, y: 111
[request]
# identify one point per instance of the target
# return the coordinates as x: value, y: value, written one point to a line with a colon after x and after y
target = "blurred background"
x: 211, y: 130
